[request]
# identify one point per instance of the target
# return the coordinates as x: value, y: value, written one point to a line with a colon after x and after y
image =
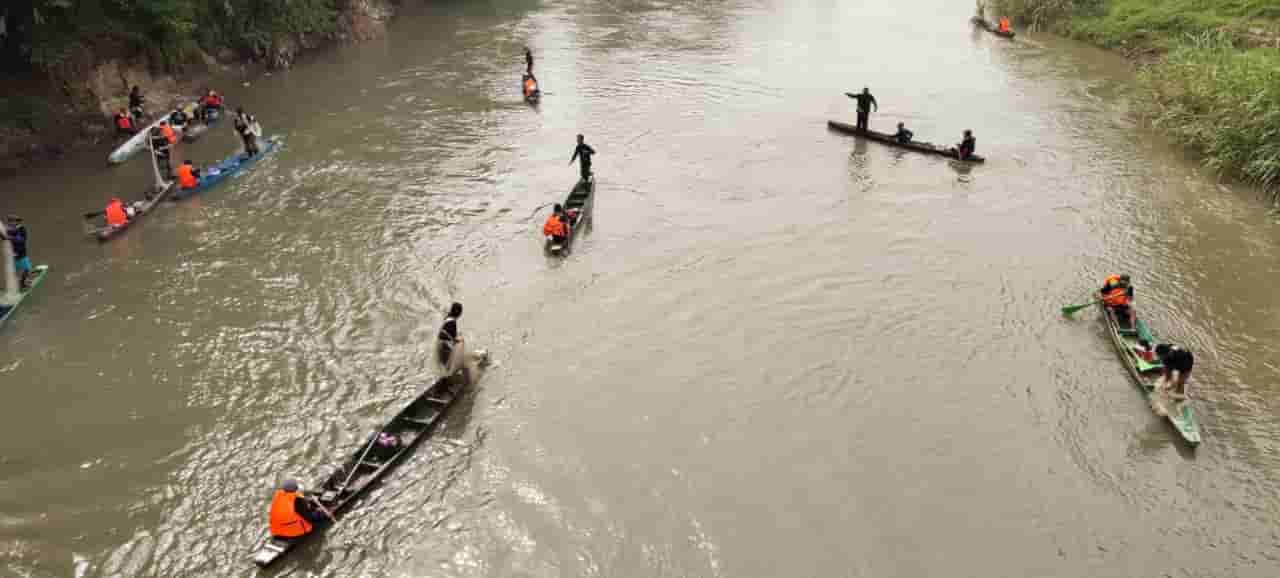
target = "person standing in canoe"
x: 293, y: 514
x: 448, y: 336
x: 248, y: 128
x: 865, y: 102
x: 188, y: 176
x: 1177, y: 368
x: 557, y: 225
x: 968, y: 145
x: 583, y: 151
x: 15, y: 232
x: 1117, y: 295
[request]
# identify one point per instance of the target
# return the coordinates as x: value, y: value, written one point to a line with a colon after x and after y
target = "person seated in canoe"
x: 557, y: 226
x: 1177, y: 368
x: 15, y: 232
x: 178, y: 118
x: 530, y: 86
x: 210, y: 106
x: 1117, y: 295
x: 968, y: 145
x: 293, y: 514
x: 117, y: 214
x: 903, y: 135
x: 188, y: 176
x: 1005, y: 28
x: 124, y: 123
x: 448, y: 336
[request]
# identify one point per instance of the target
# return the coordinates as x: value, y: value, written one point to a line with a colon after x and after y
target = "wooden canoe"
x: 1145, y: 373
x: 141, y: 207
x: 915, y: 145
x: 229, y: 167
x: 578, y: 205
x: 371, y: 462
x: 992, y: 28
x: 39, y: 272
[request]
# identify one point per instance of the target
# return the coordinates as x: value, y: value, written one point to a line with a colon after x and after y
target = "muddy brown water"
x: 779, y: 352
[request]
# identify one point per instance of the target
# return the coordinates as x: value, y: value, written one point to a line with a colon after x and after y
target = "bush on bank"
x: 1211, y: 74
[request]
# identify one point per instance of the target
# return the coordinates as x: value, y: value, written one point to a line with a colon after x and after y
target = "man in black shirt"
x: 584, y: 151
x: 865, y: 102
x: 448, y: 336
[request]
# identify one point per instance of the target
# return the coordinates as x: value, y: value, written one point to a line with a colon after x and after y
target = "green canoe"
x: 1147, y: 373
x: 6, y: 311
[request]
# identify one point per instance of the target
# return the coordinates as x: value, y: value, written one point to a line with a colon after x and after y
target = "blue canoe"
x: 229, y: 167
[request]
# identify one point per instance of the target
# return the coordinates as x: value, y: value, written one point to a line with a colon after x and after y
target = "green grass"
x: 1207, y: 78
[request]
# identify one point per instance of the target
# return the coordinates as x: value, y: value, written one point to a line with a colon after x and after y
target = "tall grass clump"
x: 1223, y: 101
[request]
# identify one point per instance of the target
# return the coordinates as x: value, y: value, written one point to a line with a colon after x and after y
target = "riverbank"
x: 61, y: 79
x: 1210, y: 69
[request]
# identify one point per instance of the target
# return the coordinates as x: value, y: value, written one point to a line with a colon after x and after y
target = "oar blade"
x: 1070, y: 310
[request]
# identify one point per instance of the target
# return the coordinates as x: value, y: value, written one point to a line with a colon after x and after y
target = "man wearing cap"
x: 292, y: 514
x: 16, y: 234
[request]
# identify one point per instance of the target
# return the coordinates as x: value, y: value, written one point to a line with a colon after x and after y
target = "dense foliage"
x: 45, y: 34
x: 1215, y: 80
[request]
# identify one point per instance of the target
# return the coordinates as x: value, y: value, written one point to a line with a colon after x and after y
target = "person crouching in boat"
x: 293, y: 514
x: 160, y: 147
x: 15, y: 232
x: 124, y: 123
x: 1004, y: 25
x: 968, y: 145
x: 449, y: 340
x: 557, y: 226
x: 903, y: 135
x: 1117, y: 295
x: 188, y: 176
x: 210, y: 106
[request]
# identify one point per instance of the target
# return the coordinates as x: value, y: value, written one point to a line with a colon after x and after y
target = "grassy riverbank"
x: 1210, y: 69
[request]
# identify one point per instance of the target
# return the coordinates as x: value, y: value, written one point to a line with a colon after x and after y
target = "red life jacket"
x: 123, y: 122
x: 116, y: 215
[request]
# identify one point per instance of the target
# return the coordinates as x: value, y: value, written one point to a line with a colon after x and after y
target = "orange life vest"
x: 286, y: 522
x: 186, y: 177
x: 123, y: 122
x: 530, y: 85
x: 169, y: 135
x: 1004, y: 23
x: 116, y: 216
x: 1116, y: 296
x: 554, y: 226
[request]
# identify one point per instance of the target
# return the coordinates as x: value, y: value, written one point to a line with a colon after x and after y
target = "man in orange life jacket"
x: 124, y: 123
x: 1117, y: 295
x: 117, y: 215
x: 168, y: 133
x: 1004, y: 24
x: 293, y: 515
x: 557, y: 226
x: 188, y: 176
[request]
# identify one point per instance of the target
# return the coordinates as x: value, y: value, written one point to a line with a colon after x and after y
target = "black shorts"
x: 443, y: 352
x: 1181, y: 361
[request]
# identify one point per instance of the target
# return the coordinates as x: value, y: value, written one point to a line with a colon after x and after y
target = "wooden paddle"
x: 316, y: 501
x: 94, y: 214
x: 1069, y: 310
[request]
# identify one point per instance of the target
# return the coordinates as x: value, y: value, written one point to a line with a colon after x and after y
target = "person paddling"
x: 293, y: 514
x: 448, y: 336
x: 1117, y: 295
x: 583, y: 151
x: 865, y: 102
x: 15, y: 232
x: 188, y: 176
x: 557, y: 225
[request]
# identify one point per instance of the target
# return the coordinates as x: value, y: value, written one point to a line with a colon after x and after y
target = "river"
x: 779, y: 352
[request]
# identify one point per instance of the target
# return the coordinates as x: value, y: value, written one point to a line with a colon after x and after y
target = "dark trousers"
x: 862, y: 119
x: 586, y: 170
